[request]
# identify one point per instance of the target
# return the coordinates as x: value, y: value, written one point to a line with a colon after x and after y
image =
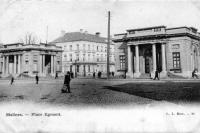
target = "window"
x: 77, y: 68
x: 70, y: 47
x: 157, y: 29
x: 88, y: 57
x: 88, y: 68
x: 89, y: 47
x: 122, y: 62
x: 65, y: 57
x: 77, y: 57
x: 97, y: 57
x: 70, y: 57
x: 97, y: 48
x: 176, y: 60
x: 77, y: 46
x: 83, y: 46
x: 83, y: 57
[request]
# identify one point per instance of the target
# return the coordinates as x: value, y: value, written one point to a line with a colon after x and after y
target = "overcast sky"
x: 18, y: 17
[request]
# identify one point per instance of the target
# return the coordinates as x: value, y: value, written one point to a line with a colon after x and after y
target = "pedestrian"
x: 194, y: 74
x: 113, y: 74
x: 72, y: 75
x: 66, y: 86
x: 12, y: 79
x: 100, y: 74
x: 56, y: 76
x: 36, y: 78
x: 94, y: 75
x: 156, y: 75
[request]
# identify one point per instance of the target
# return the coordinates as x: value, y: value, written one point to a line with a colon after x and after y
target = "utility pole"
x: 47, y: 35
x: 108, y: 47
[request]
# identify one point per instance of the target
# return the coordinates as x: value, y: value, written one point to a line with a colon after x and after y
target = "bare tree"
x: 29, y: 38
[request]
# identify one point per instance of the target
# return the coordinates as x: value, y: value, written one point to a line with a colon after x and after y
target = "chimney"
x: 81, y: 30
x: 97, y: 34
x: 62, y: 32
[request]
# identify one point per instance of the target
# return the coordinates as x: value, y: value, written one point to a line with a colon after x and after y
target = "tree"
x: 29, y: 38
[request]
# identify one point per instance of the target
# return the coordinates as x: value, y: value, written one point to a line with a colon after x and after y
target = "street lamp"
x: 75, y: 68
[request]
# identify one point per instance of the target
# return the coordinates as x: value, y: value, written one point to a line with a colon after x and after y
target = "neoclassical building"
x: 18, y: 59
x: 172, y: 51
x: 85, y: 53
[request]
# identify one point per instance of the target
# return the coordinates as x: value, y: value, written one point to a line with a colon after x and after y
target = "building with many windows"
x: 85, y: 53
x: 172, y: 51
x: 31, y: 59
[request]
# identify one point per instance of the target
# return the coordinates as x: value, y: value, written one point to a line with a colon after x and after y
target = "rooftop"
x: 79, y: 36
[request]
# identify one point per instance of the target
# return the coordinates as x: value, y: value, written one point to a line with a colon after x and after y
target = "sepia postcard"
x: 99, y: 66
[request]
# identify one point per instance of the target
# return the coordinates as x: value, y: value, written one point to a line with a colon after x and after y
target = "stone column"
x: 51, y: 64
x: 55, y: 64
x: 40, y: 64
x: 19, y: 64
x: 164, y: 72
x: 154, y: 57
x: 137, y: 59
x: 3, y: 67
x: 43, y: 64
x: 15, y: 64
x: 130, y: 63
x: 7, y: 64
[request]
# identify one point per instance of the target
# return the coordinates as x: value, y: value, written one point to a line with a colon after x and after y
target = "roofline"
x: 162, y: 26
x: 178, y: 28
x: 14, y: 44
x: 120, y: 34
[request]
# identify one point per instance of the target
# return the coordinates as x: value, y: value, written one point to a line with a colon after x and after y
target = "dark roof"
x: 78, y: 36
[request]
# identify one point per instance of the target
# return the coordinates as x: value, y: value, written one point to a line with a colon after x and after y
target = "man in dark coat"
x: 36, y: 79
x: 67, y: 83
x: 194, y: 74
x: 12, y: 80
x: 94, y: 75
x: 156, y: 75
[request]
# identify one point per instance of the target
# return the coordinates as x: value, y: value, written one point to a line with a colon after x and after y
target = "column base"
x: 129, y: 75
x: 163, y: 74
x: 136, y: 75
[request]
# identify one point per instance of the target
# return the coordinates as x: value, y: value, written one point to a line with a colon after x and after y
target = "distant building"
x: 19, y: 59
x: 172, y: 51
x: 84, y: 53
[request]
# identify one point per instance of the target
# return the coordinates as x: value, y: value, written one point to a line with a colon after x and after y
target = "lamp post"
x: 75, y: 68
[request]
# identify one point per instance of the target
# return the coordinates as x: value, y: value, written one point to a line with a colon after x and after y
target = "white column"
x: 3, y: 67
x: 130, y: 62
x: 7, y: 64
x: 43, y: 64
x: 40, y: 64
x: 55, y: 64
x: 15, y: 64
x: 51, y: 64
x: 154, y: 57
x: 137, y: 62
x: 19, y: 64
x: 163, y: 58
x: 137, y: 59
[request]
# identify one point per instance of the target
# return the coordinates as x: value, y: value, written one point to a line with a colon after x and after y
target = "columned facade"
x: 24, y: 60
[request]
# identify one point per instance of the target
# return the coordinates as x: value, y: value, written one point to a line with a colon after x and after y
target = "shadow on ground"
x: 169, y: 91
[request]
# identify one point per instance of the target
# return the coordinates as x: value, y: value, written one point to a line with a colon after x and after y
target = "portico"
x: 19, y: 59
x: 146, y: 58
